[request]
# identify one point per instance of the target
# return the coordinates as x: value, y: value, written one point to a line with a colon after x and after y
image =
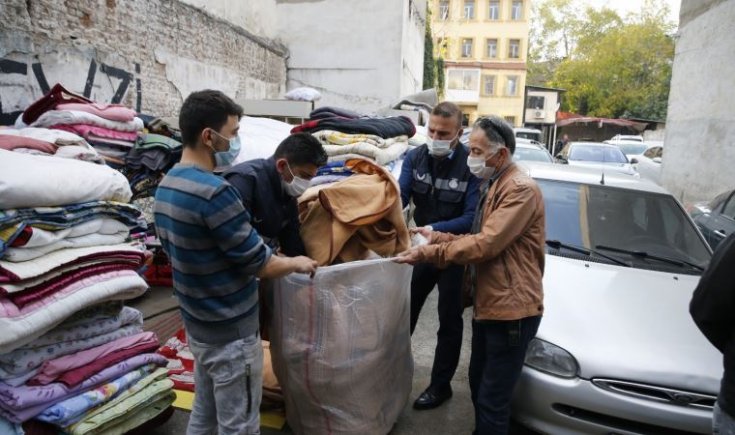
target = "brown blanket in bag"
x: 344, y: 221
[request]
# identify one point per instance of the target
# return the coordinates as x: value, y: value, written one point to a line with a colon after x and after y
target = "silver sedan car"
x: 617, y: 352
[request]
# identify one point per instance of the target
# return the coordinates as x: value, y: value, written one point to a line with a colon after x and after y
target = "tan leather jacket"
x: 508, y: 251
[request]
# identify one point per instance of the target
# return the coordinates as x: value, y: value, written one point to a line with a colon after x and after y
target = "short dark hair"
x: 498, y: 131
x: 448, y: 109
x: 205, y: 109
x: 302, y: 149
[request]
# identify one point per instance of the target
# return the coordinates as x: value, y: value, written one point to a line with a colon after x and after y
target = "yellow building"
x: 484, y: 44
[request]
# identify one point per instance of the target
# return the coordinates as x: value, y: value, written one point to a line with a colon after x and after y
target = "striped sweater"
x: 214, y: 252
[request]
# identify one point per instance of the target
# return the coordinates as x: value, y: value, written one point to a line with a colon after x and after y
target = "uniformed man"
x: 445, y: 195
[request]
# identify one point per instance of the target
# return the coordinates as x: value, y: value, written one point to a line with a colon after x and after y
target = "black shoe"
x: 431, y: 398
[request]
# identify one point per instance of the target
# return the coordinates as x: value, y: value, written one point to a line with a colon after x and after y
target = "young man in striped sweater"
x: 216, y: 256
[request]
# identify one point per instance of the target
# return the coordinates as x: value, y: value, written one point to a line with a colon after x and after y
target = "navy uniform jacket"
x: 274, y: 214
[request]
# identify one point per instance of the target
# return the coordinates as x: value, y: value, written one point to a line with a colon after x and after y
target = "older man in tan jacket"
x: 505, y: 264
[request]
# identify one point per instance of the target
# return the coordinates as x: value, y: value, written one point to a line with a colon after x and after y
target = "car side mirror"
x: 656, y: 159
x: 633, y: 161
x: 560, y: 158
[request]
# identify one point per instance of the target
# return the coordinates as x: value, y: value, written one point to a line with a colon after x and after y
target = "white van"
x: 528, y: 133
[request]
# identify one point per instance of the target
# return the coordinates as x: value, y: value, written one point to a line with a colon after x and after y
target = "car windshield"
x: 594, y: 153
x: 532, y: 154
x: 632, y: 148
x: 592, y: 216
x: 528, y: 135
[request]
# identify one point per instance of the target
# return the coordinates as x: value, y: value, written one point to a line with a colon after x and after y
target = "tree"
x: 429, y: 63
x: 440, y: 77
x: 609, y: 66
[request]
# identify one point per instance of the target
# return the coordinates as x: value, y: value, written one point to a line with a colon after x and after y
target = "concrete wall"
x: 146, y: 54
x: 699, y: 153
x: 353, y: 51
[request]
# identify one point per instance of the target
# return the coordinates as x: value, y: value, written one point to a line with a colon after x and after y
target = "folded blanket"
x: 39, y: 237
x: 63, y: 181
x: 55, y: 96
x: 23, y: 401
x: 8, y: 142
x: 333, y: 112
x: 80, y: 153
x: 37, y: 320
x: 29, y: 361
x: 29, y: 253
x: 71, y: 338
x: 383, y: 127
x: 54, y: 117
x: 90, y: 132
x: 55, y: 368
x: 363, y: 149
x: 152, y: 140
x: 137, y: 394
x: 75, y: 406
x: 57, y: 218
x: 134, y: 413
x: 332, y: 137
x: 63, y: 282
x: 113, y: 112
x: 64, y: 259
x: 56, y: 137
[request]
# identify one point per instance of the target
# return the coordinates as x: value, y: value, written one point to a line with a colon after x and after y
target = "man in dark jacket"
x: 269, y: 188
x: 712, y: 308
x: 444, y: 192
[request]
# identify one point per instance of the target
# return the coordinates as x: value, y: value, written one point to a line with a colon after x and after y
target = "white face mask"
x: 478, y: 168
x: 297, y: 186
x: 439, y: 148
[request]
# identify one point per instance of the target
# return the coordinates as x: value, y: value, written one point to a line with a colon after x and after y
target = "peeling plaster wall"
x: 146, y: 54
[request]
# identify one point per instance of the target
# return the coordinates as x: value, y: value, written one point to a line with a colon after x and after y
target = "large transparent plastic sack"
x: 342, y: 347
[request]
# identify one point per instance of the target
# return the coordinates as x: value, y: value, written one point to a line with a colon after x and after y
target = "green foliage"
x: 440, y: 77
x: 429, y: 65
x: 610, y: 66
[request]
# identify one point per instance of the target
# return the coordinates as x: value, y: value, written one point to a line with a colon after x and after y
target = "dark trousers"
x: 498, y: 350
x: 449, y: 335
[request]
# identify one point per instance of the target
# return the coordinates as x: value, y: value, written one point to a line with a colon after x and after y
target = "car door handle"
x: 720, y: 233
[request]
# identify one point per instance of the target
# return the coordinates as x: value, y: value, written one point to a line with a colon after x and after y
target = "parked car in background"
x: 630, y: 148
x: 617, y: 351
x: 530, y: 150
x: 716, y: 219
x: 528, y: 133
x: 594, y: 154
x: 648, y: 164
x: 625, y: 138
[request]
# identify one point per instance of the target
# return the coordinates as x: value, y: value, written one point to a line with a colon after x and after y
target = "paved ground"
x: 454, y: 417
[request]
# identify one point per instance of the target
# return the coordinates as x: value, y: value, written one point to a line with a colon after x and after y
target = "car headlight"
x: 549, y: 358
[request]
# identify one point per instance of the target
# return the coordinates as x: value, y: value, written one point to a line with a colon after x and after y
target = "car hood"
x: 625, y: 168
x: 628, y: 324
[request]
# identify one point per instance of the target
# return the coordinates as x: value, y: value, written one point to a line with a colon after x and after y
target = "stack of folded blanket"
x: 346, y: 135
x: 48, y: 142
x: 112, y: 129
x: 72, y: 357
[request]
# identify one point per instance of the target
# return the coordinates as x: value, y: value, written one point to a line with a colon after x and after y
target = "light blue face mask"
x: 224, y: 159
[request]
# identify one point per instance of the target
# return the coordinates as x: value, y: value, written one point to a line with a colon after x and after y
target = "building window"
x: 494, y: 10
x: 463, y: 80
x: 516, y: 12
x: 444, y: 10
x: 510, y: 120
x: 467, y: 47
x: 492, y: 48
x: 535, y: 102
x: 514, y: 49
x: 469, y: 9
x: 511, y: 88
x: 488, y: 85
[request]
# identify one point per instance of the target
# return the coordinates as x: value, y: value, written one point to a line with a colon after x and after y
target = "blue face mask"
x: 224, y: 159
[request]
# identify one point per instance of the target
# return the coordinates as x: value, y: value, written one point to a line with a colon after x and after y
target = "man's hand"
x: 411, y: 256
x: 425, y: 232
x: 304, y: 264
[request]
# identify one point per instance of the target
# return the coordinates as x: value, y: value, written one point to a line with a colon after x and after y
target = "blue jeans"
x: 722, y: 422
x: 229, y: 386
x: 498, y: 351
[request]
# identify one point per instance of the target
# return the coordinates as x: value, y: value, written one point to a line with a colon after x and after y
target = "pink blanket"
x: 86, y: 131
x: 113, y: 112
x: 9, y: 142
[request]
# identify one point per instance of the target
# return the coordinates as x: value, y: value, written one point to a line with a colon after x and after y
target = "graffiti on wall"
x: 23, y: 81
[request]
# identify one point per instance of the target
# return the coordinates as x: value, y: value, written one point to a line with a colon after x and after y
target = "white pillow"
x: 303, y: 94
